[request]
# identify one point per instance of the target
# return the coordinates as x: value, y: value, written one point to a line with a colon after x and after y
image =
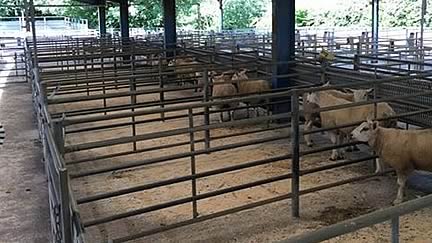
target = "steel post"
x: 295, y: 146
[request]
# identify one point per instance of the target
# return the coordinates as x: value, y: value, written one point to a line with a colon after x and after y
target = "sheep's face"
x: 361, y: 94
x: 240, y: 75
x: 312, y: 98
x: 313, y: 117
x: 172, y: 63
x: 365, y: 132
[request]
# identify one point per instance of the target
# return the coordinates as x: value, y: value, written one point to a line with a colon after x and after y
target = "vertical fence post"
x: 206, y: 108
x: 16, y: 64
x: 356, y: 62
x: 193, y: 166
x: 102, y: 68
x: 295, y: 146
x: 58, y: 133
x: 395, y: 230
x: 161, y: 86
x: 65, y: 209
x: 133, y: 95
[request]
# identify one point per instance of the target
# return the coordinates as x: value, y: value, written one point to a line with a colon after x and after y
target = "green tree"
x: 303, y: 18
x: 10, y: 11
x: 242, y: 13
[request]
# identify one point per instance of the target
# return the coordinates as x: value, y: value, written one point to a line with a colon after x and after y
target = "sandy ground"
x: 263, y: 224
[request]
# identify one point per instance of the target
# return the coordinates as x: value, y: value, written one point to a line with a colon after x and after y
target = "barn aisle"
x: 23, y: 186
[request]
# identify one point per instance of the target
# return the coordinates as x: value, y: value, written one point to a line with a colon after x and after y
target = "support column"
x: 422, y: 23
x: 283, y: 48
x: 169, y: 11
x: 375, y: 25
x: 102, y: 21
x: 124, y: 19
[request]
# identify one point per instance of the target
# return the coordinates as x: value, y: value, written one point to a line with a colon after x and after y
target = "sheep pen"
x: 146, y: 157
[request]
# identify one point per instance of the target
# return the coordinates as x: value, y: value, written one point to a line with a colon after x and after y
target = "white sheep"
x: 222, y: 89
x: 355, y: 95
x: 403, y: 150
x: 345, y: 116
x: 246, y: 86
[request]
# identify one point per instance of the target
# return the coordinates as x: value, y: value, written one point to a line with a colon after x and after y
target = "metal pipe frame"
x: 388, y: 214
x: 196, y: 109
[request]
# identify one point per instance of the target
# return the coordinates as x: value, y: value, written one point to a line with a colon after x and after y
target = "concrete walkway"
x: 24, y: 213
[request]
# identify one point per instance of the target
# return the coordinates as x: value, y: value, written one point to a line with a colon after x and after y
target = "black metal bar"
x: 283, y: 49
x: 206, y: 96
x: 169, y: 11
x: 363, y: 221
x: 124, y: 19
x: 375, y: 25
x: 395, y: 229
x: 102, y: 21
x: 193, y: 166
x: 295, y: 163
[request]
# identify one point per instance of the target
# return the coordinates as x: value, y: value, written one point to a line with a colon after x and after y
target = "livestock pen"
x: 133, y: 152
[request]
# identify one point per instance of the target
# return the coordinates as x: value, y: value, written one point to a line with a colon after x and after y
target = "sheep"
x: 222, y: 89
x: 200, y: 81
x: 188, y: 73
x: 245, y: 86
x: 403, y: 150
x: 354, y: 96
x: 345, y: 116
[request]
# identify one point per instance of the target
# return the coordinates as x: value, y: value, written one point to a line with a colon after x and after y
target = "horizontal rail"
x: 363, y: 221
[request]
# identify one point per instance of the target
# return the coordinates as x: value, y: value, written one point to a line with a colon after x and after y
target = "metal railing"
x: 348, y: 226
x: 53, y: 83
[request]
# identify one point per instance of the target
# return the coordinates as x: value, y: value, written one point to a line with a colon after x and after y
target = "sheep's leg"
x: 340, y: 140
x: 231, y: 115
x: 350, y: 148
x: 401, y: 180
x: 335, y: 153
x: 221, y: 116
x: 378, y: 166
x: 307, y: 137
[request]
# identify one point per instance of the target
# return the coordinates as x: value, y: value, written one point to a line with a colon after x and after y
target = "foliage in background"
x: 303, y: 18
x: 204, y: 14
x: 240, y: 14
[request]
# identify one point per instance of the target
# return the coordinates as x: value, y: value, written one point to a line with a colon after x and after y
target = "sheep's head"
x: 312, y: 98
x: 240, y: 75
x: 172, y: 63
x: 311, y: 116
x: 360, y: 94
x: 366, y: 132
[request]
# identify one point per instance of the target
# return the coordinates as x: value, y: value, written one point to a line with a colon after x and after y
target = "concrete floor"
x: 24, y: 213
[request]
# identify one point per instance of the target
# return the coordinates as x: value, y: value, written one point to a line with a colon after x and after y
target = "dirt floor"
x: 263, y: 224
x: 24, y: 209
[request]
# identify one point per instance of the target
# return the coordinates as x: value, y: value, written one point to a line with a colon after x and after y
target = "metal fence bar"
x: 363, y: 221
x: 193, y: 166
x: 295, y: 150
x: 395, y: 230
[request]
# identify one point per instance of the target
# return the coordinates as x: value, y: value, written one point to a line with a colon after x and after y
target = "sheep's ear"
x: 369, y: 120
x: 369, y: 90
x: 326, y: 84
x: 348, y: 90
